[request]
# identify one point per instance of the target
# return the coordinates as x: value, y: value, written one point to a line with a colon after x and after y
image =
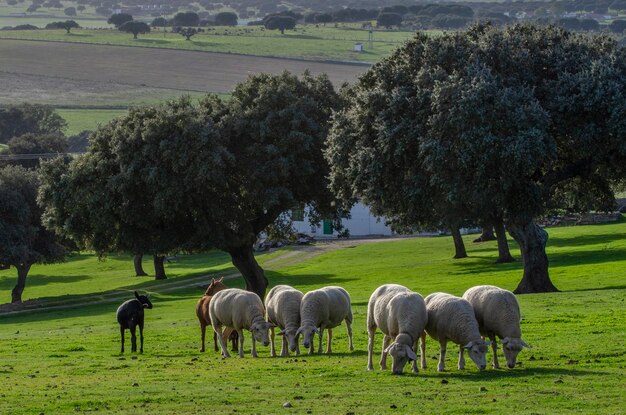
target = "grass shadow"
x: 38, y: 280
x: 471, y: 374
x: 152, y: 41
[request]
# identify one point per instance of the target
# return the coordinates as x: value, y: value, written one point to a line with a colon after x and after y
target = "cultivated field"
x: 67, y: 360
x: 87, y: 71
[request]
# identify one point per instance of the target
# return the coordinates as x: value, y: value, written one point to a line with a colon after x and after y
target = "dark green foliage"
x: 70, y: 11
x: 226, y: 19
x: 16, y: 120
x: 119, y: 19
x: 280, y: 22
x: 389, y: 20
x: 135, y: 28
x: 618, y: 26
x: 23, y: 239
x: 67, y: 25
x: 78, y: 143
x: 486, y: 122
x: 186, y: 19
x: 186, y: 32
x: 21, y: 27
x: 159, y: 22
x: 35, y: 144
x: 185, y: 177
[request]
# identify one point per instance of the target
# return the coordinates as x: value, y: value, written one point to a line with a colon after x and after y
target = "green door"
x: 328, y: 227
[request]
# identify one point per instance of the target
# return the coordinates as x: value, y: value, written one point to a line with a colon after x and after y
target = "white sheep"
x: 321, y: 309
x: 498, y: 314
x: 401, y: 315
x: 283, y: 309
x: 452, y: 318
x: 239, y: 309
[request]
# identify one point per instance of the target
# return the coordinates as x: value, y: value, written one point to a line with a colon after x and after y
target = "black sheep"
x: 130, y: 316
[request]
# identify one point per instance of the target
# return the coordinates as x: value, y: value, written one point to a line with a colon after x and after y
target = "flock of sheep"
x: 402, y: 315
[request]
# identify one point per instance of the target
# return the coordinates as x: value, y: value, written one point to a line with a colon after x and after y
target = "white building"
x: 361, y: 223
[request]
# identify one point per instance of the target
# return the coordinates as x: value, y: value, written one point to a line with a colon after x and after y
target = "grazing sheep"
x: 321, y: 309
x: 452, y: 318
x: 239, y: 309
x: 202, y: 311
x: 130, y: 316
x: 283, y: 309
x: 401, y: 315
x: 498, y: 314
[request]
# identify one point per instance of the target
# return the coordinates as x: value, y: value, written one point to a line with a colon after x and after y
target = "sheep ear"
x: 299, y: 331
x: 220, y: 279
x: 282, y: 333
x: 468, y: 345
x: 273, y: 325
x: 137, y: 296
x: 317, y: 331
x: 410, y: 353
x: 505, y: 340
x: 525, y: 345
x: 212, y: 280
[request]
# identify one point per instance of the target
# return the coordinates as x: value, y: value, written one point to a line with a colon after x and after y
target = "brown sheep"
x: 202, y: 311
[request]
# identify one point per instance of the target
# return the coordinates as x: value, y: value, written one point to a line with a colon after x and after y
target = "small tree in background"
x: 389, y: 20
x: 36, y: 144
x: 119, y: 19
x: 16, y: 120
x: 186, y: 19
x: 67, y: 25
x: 187, y: 32
x: 226, y: 19
x: 281, y: 23
x: 70, y: 11
x: 135, y: 28
x: 23, y: 240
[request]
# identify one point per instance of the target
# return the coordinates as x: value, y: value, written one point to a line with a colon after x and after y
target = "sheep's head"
x: 401, y: 354
x: 292, y: 337
x: 260, y: 332
x: 144, y: 300
x: 215, y: 286
x: 511, y: 346
x: 477, y: 351
x: 308, y: 332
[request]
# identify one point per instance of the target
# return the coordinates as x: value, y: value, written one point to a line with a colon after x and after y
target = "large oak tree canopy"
x: 485, y: 122
x: 192, y: 177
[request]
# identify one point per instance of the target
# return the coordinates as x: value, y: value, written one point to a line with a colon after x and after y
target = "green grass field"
x: 62, y: 361
x: 307, y: 42
x: 87, y: 119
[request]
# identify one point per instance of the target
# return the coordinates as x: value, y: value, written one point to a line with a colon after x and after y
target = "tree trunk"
x: 22, y: 273
x: 159, y: 269
x: 459, y: 246
x: 487, y: 234
x: 134, y: 35
x: 243, y: 259
x: 139, y: 272
x: 504, y: 254
x: 532, y: 242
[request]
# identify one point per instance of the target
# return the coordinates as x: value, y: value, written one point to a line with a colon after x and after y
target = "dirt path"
x: 288, y: 258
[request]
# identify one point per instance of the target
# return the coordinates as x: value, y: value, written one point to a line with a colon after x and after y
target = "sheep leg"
x: 240, y: 334
x: 329, y: 347
x: 371, y: 332
x: 383, y: 355
x: 141, y: 337
x: 272, y: 346
x: 494, y: 346
x: 414, y: 362
x: 218, y: 331
x: 321, y: 333
x: 423, y: 350
x: 461, y: 357
x: 215, y: 346
x: 253, y: 346
x: 133, y: 337
x: 443, y: 343
x: 349, y: 327
x: 284, y: 350
x: 122, y: 333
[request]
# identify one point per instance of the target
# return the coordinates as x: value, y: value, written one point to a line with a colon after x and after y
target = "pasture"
x: 306, y: 42
x: 67, y: 360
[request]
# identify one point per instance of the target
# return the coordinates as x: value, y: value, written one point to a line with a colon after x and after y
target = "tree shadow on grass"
x: 37, y: 280
x: 151, y: 41
x: 583, y: 240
